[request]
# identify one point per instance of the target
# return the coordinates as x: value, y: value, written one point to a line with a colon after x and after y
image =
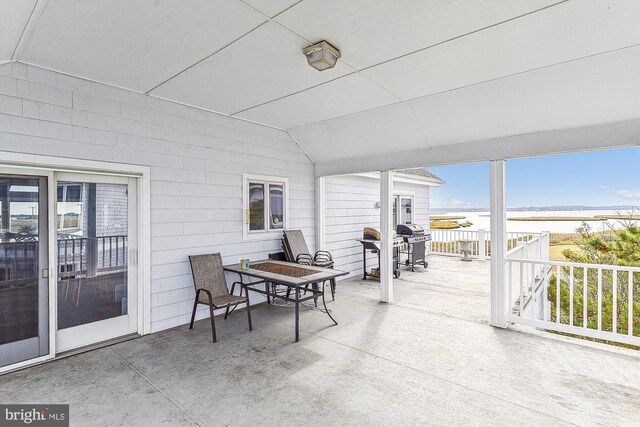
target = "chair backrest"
x: 296, y: 243
x: 208, y: 274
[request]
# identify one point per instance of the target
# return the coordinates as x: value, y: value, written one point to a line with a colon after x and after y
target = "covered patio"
x: 134, y: 135
x: 429, y: 358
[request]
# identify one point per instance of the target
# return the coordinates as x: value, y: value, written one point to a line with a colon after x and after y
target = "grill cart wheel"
x: 397, y: 273
x: 426, y: 264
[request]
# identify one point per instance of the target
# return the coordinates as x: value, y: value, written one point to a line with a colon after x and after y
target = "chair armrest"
x: 306, y: 259
x: 323, y: 255
x: 205, y: 291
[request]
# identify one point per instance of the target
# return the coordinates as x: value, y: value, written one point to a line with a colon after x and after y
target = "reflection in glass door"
x: 95, y: 222
x: 24, y: 300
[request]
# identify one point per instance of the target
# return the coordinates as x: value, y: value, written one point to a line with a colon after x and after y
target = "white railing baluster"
x: 585, y: 283
x: 558, y: 277
x: 614, y: 302
x: 521, y: 290
x: 533, y: 294
x: 571, y: 295
x: 630, y: 328
x: 599, y: 299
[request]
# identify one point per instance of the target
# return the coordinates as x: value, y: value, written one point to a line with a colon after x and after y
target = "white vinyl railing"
x: 447, y: 242
x: 592, y: 300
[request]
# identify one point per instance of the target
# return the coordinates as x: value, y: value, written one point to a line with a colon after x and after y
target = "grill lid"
x: 410, y: 230
x: 370, y: 233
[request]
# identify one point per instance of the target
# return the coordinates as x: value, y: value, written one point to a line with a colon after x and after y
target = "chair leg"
x: 333, y: 289
x: 193, y: 314
x: 249, y: 313
x: 213, y: 324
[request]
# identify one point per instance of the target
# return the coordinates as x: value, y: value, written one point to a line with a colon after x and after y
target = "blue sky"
x: 597, y: 178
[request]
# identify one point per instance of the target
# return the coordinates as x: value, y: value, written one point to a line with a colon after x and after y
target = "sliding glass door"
x: 96, y: 224
x: 24, y: 274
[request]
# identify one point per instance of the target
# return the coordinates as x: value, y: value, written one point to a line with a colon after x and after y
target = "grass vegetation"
x: 619, y: 216
x: 446, y: 217
x: 556, y: 218
x: 448, y: 225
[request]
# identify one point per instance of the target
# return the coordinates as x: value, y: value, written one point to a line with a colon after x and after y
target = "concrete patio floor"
x: 429, y: 358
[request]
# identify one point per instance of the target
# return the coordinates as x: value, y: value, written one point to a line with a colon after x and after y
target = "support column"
x: 321, y: 236
x: 498, y: 243
x: 386, y: 238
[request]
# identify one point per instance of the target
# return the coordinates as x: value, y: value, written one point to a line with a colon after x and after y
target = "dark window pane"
x: 276, y: 206
x: 69, y: 193
x: 405, y: 210
x: 256, y: 206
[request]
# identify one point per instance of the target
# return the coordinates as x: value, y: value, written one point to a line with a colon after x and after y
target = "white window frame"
x: 397, y: 195
x: 266, y: 180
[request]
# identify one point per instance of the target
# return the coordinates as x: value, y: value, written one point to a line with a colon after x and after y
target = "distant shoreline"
x: 540, y: 209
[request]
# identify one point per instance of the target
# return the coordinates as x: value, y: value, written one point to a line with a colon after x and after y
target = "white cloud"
x: 602, y: 187
x: 629, y: 194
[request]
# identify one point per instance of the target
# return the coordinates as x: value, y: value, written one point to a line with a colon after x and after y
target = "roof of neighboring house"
x: 420, y: 172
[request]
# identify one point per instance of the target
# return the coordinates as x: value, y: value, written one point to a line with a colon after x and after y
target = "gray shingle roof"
x: 419, y: 172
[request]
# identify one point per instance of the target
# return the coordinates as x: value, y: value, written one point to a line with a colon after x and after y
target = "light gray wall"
x: 196, y: 158
x: 350, y: 206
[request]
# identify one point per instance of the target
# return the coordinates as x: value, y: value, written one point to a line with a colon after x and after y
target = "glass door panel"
x: 95, y: 221
x: 24, y: 291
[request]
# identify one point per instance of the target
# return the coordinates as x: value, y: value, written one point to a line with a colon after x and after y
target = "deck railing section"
x: 590, y: 300
x: 18, y: 264
x: 447, y: 242
x: 106, y: 253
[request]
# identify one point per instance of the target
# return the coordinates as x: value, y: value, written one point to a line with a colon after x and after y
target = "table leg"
x: 297, y: 313
x: 364, y: 263
x: 325, y: 307
x: 266, y: 289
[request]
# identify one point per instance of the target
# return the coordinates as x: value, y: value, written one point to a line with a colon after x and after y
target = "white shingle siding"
x: 197, y: 159
x: 350, y: 206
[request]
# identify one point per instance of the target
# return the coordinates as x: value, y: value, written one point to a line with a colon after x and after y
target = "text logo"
x: 34, y: 415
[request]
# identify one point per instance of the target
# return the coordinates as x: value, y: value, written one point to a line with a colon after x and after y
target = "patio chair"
x: 296, y: 250
x: 211, y: 288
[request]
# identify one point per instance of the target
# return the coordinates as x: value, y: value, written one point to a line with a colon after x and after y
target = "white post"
x: 321, y: 236
x: 498, y: 243
x: 482, y: 250
x: 544, y: 245
x: 386, y: 236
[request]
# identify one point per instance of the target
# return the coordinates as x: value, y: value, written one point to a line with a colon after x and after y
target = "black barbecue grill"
x: 371, y: 242
x: 415, y: 238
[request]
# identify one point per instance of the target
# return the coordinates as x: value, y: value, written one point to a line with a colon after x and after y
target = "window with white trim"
x: 403, y: 213
x: 266, y: 202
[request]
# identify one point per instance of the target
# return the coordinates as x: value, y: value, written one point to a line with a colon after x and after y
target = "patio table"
x: 292, y: 275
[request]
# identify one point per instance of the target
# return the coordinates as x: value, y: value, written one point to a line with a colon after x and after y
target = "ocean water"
x: 481, y: 220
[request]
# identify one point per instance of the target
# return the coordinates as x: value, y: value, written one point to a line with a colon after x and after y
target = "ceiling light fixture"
x: 322, y: 55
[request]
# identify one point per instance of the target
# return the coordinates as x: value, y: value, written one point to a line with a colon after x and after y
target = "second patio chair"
x: 296, y: 250
x: 211, y: 288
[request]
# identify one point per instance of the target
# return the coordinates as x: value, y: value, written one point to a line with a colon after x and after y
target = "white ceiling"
x: 414, y: 73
